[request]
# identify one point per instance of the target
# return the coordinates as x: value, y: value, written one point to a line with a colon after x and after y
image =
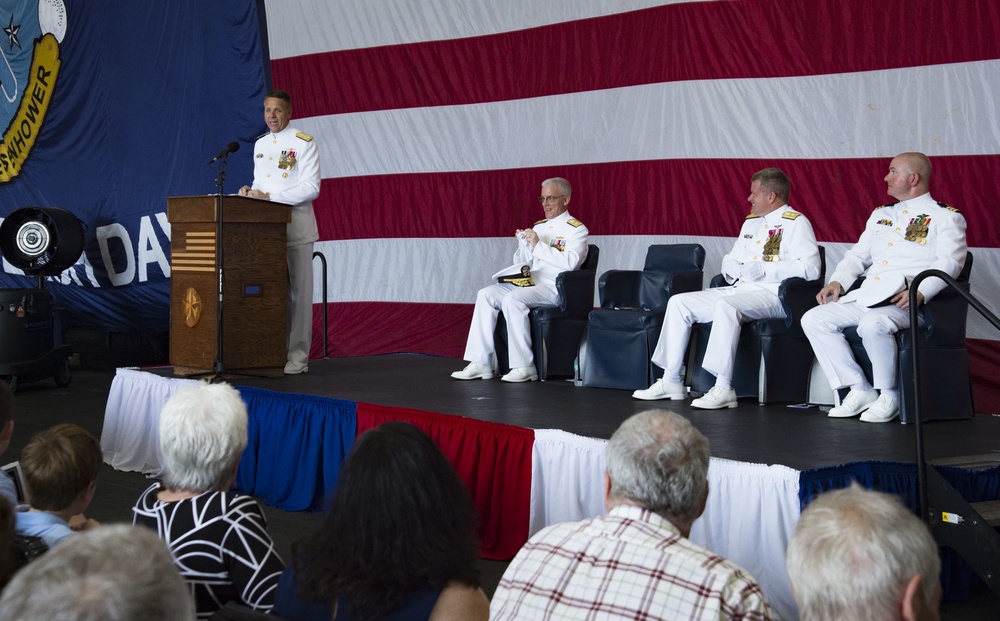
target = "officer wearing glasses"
x: 553, y: 245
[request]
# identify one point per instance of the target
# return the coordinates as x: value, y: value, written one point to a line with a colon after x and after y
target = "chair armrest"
x: 620, y: 289
x: 719, y: 280
x: 684, y: 282
x: 576, y: 292
x: 797, y: 295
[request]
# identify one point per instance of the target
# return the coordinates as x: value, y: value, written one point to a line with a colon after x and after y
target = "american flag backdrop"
x: 438, y: 119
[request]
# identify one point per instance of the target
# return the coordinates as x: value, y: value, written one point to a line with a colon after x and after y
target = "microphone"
x: 232, y: 147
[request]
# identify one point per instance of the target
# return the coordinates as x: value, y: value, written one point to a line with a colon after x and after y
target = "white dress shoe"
x: 854, y: 403
x: 475, y: 370
x: 884, y: 409
x: 294, y: 368
x: 716, y: 399
x: 662, y: 389
x: 521, y: 374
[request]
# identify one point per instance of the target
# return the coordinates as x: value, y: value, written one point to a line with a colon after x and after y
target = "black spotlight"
x: 41, y: 241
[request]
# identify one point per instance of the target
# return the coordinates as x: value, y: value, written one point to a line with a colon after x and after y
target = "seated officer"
x: 900, y: 240
x: 775, y: 243
x: 554, y: 245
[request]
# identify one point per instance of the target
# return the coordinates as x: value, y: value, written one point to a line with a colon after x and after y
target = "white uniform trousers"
x: 515, y: 302
x: 727, y: 308
x: 299, y: 313
x: 824, y: 325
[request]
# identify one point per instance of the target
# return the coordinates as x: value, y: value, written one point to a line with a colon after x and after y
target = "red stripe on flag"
x: 984, y: 360
x: 661, y: 197
x: 372, y: 328
x: 660, y: 44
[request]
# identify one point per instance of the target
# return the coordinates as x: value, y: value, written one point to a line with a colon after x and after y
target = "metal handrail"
x: 326, y: 301
x: 987, y: 314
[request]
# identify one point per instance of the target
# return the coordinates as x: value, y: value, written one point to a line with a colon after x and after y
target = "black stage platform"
x: 801, y: 439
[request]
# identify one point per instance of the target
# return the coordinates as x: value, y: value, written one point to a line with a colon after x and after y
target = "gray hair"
x: 559, y: 182
x: 853, y: 553
x: 111, y: 573
x: 203, y: 431
x: 659, y: 460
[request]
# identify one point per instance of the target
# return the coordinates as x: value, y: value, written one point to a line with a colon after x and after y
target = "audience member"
x: 900, y: 240
x: 7, y: 488
x: 552, y: 246
x: 11, y: 557
x: 219, y: 540
x: 859, y: 554
x: 60, y: 467
x: 775, y: 243
x: 114, y: 573
x: 398, y: 543
x: 635, y: 562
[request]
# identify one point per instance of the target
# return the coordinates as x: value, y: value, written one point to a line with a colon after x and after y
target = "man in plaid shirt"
x: 635, y: 562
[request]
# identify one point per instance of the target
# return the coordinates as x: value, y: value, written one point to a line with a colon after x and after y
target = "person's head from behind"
x: 400, y: 519
x: 113, y: 573
x: 60, y: 467
x: 203, y: 431
x: 859, y: 554
x: 6, y: 415
x: 658, y: 460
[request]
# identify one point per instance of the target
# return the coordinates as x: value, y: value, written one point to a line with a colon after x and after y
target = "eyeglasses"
x: 550, y: 199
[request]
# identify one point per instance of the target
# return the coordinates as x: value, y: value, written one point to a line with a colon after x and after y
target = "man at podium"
x: 286, y: 170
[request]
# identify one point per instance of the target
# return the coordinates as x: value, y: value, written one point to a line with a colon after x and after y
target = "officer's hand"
x: 829, y: 293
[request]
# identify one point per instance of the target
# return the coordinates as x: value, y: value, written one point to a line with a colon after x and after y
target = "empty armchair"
x: 774, y: 358
x: 621, y: 335
x: 945, y: 381
x: 556, y: 331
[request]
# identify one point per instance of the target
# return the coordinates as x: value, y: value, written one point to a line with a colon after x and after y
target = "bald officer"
x: 900, y: 240
x: 286, y: 170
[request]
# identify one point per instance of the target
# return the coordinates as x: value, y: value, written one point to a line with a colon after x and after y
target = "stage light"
x: 41, y: 241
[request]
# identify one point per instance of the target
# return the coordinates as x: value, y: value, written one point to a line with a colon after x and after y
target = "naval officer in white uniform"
x: 553, y: 245
x: 775, y: 243
x: 286, y: 170
x: 899, y: 241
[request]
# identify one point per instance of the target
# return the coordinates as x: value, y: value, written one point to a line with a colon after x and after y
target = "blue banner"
x: 109, y: 108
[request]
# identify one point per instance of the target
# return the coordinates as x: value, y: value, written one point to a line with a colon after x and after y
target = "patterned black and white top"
x: 220, y: 544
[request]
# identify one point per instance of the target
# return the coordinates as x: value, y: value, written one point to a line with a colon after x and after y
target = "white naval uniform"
x: 286, y: 166
x: 884, y: 250
x: 561, y: 247
x: 746, y: 300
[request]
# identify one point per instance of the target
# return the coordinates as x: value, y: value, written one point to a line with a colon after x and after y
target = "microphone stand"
x: 219, y: 367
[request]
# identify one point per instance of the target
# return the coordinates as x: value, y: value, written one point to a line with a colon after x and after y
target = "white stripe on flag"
x: 935, y: 109
x: 297, y: 27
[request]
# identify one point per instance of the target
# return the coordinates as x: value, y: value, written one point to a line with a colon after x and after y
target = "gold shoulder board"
x: 949, y: 207
x: 304, y: 136
x: 751, y: 216
x: 574, y: 222
x: 790, y: 215
x: 543, y: 221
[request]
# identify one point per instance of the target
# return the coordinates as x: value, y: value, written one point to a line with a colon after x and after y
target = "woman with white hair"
x: 218, y: 539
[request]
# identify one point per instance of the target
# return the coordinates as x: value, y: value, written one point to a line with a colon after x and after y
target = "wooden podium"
x: 255, y: 276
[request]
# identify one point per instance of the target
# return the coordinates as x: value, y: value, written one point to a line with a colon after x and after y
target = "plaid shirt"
x: 628, y: 564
